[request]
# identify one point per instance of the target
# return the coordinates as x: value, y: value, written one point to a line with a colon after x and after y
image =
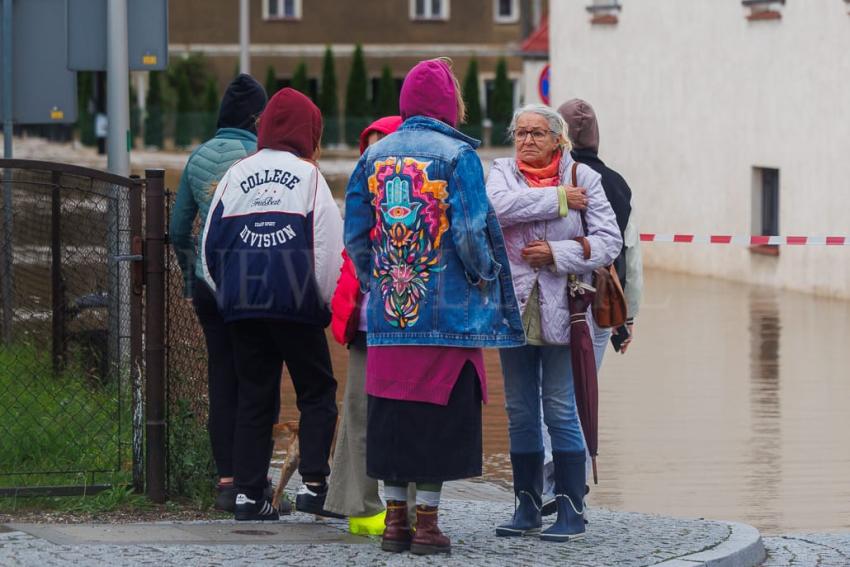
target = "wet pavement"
x: 808, y: 550
x: 613, y: 539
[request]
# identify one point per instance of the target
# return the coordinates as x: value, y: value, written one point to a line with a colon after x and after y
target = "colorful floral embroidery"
x: 410, y: 220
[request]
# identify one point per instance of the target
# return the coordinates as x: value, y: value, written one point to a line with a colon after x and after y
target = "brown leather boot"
x: 397, y: 533
x: 428, y: 539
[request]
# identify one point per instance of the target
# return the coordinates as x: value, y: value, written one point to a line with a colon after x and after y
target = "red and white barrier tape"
x: 747, y: 240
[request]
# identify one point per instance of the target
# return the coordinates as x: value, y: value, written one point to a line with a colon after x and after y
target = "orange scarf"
x: 546, y: 176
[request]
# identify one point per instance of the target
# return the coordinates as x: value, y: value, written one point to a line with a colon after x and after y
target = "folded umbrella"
x: 580, y: 298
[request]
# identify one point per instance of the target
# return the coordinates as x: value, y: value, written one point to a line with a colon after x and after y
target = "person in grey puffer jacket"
x: 235, y: 139
x: 530, y: 197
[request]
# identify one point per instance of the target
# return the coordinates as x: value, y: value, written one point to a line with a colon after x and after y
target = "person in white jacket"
x: 271, y: 251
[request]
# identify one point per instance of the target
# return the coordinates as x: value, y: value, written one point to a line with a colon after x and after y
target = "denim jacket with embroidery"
x: 426, y: 243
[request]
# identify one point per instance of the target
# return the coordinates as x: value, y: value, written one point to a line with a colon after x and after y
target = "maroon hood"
x: 290, y: 122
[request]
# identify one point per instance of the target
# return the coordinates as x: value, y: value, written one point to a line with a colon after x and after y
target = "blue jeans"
x: 600, y: 344
x: 535, y: 374
x: 601, y: 337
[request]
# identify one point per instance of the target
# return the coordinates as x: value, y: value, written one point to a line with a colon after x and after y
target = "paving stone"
x: 808, y: 550
x: 613, y: 538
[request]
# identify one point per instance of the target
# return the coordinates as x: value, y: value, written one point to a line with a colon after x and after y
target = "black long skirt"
x: 422, y: 442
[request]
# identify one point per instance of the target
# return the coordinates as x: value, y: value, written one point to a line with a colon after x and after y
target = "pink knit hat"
x: 429, y: 90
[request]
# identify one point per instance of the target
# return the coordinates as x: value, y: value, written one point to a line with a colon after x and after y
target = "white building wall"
x: 691, y: 96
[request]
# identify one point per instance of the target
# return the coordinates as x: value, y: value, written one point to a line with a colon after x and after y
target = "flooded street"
x: 733, y: 403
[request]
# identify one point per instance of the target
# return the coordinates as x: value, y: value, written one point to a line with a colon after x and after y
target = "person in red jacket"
x: 350, y: 492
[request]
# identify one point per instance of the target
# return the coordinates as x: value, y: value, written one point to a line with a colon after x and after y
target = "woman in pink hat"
x: 427, y: 247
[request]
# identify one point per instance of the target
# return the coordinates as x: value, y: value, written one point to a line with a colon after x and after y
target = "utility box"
x: 44, y: 91
x: 147, y: 34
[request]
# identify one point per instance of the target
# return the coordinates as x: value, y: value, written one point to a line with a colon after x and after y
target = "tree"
x: 196, y: 71
x: 356, y: 101
x: 327, y: 90
x: 271, y: 81
x: 501, y: 102
x: 357, y: 107
x: 184, y: 130
x: 386, y: 103
x: 299, y: 79
x: 135, y: 116
x: 327, y: 98
x: 153, y: 117
x: 187, y: 78
x: 85, y: 118
x: 211, y: 103
x: 472, y: 98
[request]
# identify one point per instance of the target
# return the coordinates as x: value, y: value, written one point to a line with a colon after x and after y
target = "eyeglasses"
x: 536, y: 135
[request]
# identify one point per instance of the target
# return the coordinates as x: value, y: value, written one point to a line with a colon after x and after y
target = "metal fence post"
x: 136, y: 329
x: 155, y: 333
x: 8, y: 259
x: 57, y: 285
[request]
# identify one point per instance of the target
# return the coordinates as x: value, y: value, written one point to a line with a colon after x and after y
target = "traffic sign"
x: 543, y: 85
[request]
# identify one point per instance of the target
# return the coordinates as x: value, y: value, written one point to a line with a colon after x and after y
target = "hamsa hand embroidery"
x: 411, y: 219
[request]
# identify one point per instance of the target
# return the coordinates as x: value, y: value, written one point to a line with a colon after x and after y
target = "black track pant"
x: 261, y: 347
x: 221, y: 375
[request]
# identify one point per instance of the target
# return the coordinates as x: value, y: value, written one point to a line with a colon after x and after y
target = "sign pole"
x: 118, y: 162
x: 244, y: 37
x: 8, y: 288
x: 117, y: 88
x: 7, y: 79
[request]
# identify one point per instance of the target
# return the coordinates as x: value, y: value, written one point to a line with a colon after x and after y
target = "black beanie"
x: 242, y: 103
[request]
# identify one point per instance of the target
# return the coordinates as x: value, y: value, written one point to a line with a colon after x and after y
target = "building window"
x: 312, y: 87
x: 490, y: 87
x: 429, y: 10
x: 604, y: 12
x: 375, y: 88
x: 766, y: 206
x: 282, y: 9
x: 506, y: 11
x: 761, y: 10
x: 769, y: 202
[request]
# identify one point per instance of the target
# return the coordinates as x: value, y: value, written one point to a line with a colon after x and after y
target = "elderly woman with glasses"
x: 541, y: 216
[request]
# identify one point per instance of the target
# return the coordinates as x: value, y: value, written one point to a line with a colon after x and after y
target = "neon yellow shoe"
x: 367, y: 525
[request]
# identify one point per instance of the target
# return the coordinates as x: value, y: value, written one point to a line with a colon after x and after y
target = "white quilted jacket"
x: 530, y: 213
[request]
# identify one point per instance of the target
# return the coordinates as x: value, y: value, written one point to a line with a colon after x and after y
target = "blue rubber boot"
x: 569, y: 494
x: 528, y: 490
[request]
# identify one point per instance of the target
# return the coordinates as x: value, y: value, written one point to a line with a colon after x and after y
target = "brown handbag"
x: 609, y: 304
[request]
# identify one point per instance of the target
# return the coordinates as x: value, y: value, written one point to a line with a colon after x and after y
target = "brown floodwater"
x: 733, y: 403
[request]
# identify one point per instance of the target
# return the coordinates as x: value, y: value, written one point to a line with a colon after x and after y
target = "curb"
x: 743, y: 548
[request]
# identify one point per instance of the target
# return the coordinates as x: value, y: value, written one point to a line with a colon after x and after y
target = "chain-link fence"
x: 70, y: 319
x: 190, y: 464
x: 187, y: 354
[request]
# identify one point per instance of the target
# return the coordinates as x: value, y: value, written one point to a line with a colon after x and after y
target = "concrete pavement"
x: 470, y: 512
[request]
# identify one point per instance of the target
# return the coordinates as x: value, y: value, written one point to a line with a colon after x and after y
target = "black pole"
x: 155, y: 333
x: 57, y: 286
x: 7, y: 82
x: 136, y: 357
